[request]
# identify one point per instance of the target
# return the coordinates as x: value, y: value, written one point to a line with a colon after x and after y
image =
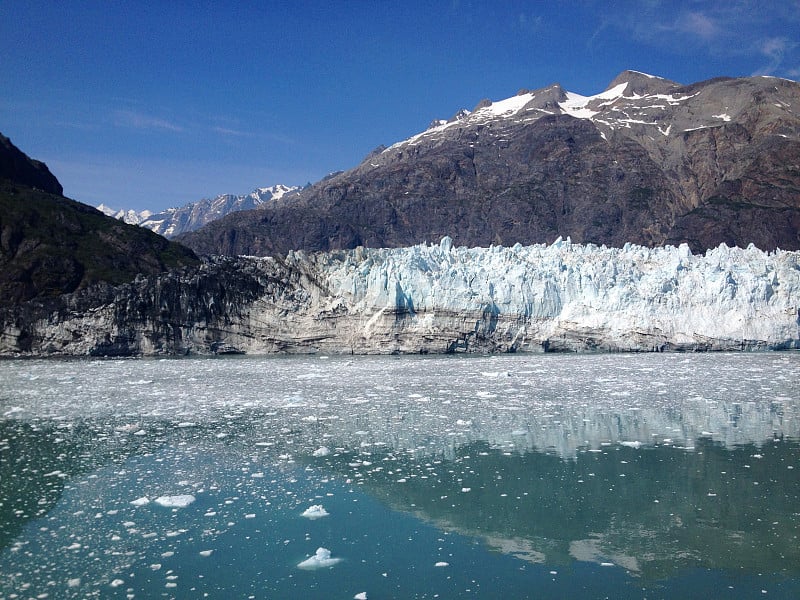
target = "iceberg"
x: 179, y: 501
x: 321, y: 559
x: 316, y: 511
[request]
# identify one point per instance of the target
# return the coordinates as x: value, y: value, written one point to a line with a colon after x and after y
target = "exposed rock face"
x: 647, y: 161
x: 192, y: 216
x: 432, y: 299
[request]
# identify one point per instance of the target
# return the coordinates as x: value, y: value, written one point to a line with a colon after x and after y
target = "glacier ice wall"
x: 436, y: 298
x: 568, y: 296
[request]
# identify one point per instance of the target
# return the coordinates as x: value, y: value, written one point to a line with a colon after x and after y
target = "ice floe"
x: 179, y: 501
x: 322, y: 559
x: 316, y: 511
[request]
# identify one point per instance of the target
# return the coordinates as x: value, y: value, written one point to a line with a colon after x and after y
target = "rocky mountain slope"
x: 433, y: 299
x: 647, y: 161
x: 192, y: 216
x: 51, y: 245
x: 16, y: 166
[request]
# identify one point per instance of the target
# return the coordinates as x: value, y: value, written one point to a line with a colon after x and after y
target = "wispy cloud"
x: 699, y: 24
x: 139, y: 120
x: 775, y: 50
x: 231, y: 132
x: 730, y: 28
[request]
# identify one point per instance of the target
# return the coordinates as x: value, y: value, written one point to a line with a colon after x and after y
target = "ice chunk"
x: 141, y: 501
x: 442, y: 564
x: 206, y: 553
x: 321, y: 451
x: 179, y: 501
x: 636, y: 444
x: 360, y: 596
x: 316, y: 511
x: 320, y: 560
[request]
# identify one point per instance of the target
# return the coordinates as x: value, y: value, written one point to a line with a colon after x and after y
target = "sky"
x: 147, y: 105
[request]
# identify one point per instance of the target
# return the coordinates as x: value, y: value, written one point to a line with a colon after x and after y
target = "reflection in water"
x: 652, y: 511
x: 580, y: 473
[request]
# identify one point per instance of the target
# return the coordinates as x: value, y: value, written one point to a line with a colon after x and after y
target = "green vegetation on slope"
x: 51, y: 245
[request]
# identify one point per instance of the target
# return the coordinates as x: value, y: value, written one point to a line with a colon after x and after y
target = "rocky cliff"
x: 561, y: 297
x: 647, y: 161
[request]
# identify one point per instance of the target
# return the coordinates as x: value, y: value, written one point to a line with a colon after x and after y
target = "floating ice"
x: 321, y: 451
x: 206, y: 553
x: 320, y: 560
x: 636, y: 444
x: 141, y: 501
x: 361, y: 596
x: 316, y: 511
x: 442, y: 564
x: 179, y: 501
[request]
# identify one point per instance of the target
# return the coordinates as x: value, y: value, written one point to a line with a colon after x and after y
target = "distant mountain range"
x: 192, y: 216
x: 647, y: 161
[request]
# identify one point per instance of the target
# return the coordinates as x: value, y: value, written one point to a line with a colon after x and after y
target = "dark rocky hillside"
x: 20, y: 168
x: 648, y: 161
x: 51, y: 245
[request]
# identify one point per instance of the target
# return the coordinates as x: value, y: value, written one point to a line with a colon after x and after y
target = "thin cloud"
x: 733, y: 28
x: 138, y: 120
x: 698, y: 24
x: 774, y: 49
x: 231, y: 132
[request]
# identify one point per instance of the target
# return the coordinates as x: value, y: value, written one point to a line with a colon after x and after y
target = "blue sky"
x: 156, y: 104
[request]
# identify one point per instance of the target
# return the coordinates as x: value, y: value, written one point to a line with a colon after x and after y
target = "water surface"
x: 640, y: 476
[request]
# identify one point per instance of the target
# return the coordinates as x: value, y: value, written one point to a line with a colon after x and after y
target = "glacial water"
x: 515, y: 476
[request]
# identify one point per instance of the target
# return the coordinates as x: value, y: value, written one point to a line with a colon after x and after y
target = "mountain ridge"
x: 648, y: 161
x: 193, y: 215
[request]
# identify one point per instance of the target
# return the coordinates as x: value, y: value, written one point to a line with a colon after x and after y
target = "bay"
x: 519, y: 476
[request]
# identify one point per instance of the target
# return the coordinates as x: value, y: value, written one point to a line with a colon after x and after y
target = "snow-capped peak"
x: 131, y: 217
x: 191, y: 216
x: 578, y: 106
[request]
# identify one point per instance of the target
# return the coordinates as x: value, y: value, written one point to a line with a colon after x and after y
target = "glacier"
x: 436, y: 298
x: 567, y: 296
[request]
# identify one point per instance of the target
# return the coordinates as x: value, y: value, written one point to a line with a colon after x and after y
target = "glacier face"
x: 569, y: 296
x: 438, y: 298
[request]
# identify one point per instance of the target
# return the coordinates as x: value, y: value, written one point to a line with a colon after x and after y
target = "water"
x: 542, y: 476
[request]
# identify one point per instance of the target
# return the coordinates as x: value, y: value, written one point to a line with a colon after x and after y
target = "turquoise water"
x: 593, y: 476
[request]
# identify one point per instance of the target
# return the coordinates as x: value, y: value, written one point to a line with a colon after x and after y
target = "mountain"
x: 192, y: 216
x: 434, y: 299
x: 131, y: 217
x: 16, y: 166
x: 647, y: 161
x: 51, y: 245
